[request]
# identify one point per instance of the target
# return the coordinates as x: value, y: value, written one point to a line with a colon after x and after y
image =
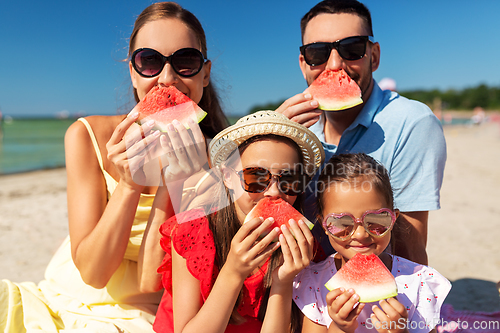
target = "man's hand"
x: 301, y: 108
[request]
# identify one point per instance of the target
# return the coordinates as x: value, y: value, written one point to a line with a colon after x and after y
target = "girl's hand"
x: 128, y: 147
x: 390, y: 317
x: 297, y: 251
x: 248, y: 252
x: 341, y: 308
x: 301, y: 108
x: 181, y: 155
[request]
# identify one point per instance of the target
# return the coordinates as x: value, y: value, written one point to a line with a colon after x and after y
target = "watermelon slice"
x: 164, y: 104
x: 278, y: 209
x: 335, y: 90
x: 368, y: 276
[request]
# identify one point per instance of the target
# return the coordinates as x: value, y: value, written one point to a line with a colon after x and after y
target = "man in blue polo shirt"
x: 402, y: 134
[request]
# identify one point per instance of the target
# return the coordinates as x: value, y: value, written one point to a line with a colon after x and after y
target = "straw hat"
x: 262, y: 123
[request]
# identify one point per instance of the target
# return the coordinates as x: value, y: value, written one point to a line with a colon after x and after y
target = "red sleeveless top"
x: 193, y: 240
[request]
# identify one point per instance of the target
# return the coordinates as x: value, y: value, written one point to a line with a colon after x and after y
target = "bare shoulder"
x: 77, y: 136
x: 78, y: 143
x: 102, y: 126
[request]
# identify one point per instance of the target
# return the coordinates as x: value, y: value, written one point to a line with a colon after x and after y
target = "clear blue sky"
x: 66, y: 55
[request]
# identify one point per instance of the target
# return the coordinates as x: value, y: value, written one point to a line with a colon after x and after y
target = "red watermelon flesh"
x: 164, y: 104
x: 278, y: 209
x: 335, y: 90
x: 368, y: 276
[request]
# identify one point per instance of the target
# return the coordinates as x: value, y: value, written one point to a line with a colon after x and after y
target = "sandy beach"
x: 463, y: 242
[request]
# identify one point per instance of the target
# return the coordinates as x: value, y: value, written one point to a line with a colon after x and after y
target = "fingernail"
x: 355, y: 297
x: 170, y: 127
x: 156, y: 133
x: 176, y: 122
x: 133, y: 114
x: 351, y: 291
x: 191, y: 121
x: 277, y: 229
x: 307, y: 96
x: 314, y: 103
x: 291, y: 222
x: 150, y: 122
x: 271, y: 219
x: 283, y: 227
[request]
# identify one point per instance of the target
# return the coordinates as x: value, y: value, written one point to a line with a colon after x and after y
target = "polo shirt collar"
x: 365, y: 117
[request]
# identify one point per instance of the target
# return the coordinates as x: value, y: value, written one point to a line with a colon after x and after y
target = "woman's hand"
x: 181, y: 155
x: 297, y: 251
x: 342, y: 310
x: 301, y: 108
x: 390, y: 317
x: 247, y: 251
x: 128, y: 149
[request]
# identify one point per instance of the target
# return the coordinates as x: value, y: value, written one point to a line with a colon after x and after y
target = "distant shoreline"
x: 27, y: 171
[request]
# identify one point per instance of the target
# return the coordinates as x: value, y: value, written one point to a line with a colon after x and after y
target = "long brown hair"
x: 210, y: 102
x: 225, y: 224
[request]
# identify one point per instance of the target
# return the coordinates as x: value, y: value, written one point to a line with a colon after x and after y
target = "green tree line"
x: 465, y: 99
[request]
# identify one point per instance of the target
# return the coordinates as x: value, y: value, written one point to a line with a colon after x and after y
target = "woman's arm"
x: 99, y: 229
x: 184, y: 156
x: 151, y: 253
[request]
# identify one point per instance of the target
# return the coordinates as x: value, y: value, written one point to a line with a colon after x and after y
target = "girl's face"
x: 167, y: 36
x: 272, y: 155
x: 344, y: 197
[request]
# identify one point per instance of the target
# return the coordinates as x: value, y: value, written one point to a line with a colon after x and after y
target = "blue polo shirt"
x: 403, y: 135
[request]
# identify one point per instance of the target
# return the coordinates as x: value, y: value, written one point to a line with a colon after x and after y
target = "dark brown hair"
x: 215, y: 120
x: 225, y: 224
x: 338, y: 7
x: 356, y: 169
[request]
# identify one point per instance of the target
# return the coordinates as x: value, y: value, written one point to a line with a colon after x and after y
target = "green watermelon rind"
x: 338, y: 106
x: 156, y: 97
x: 367, y: 290
x: 279, y: 205
x: 197, y: 115
x: 323, y: 85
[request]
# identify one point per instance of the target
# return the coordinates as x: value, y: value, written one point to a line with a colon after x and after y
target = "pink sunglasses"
x: 376, y: 222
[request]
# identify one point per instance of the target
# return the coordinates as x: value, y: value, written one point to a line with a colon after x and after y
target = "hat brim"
x: 263, y: 123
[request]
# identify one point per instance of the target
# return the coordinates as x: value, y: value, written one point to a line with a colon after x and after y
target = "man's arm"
x: 410, y: 237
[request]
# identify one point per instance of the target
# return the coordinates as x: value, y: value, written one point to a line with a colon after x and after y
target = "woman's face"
x: 272, y: 155
x: 166, y: 36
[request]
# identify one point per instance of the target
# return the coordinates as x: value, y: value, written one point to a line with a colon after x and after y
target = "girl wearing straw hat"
x: 220, y: 274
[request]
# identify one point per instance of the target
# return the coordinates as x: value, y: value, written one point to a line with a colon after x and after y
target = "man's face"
x: 333, y: 27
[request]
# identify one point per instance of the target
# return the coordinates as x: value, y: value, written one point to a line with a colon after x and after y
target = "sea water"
x: 32, y: 144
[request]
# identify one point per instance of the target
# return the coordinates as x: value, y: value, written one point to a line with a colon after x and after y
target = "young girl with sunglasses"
x: 93, y: 282
x: 220, y: 274
x: 355, y: 206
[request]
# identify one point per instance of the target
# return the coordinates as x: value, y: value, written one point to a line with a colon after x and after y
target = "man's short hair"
x: 338, y: 7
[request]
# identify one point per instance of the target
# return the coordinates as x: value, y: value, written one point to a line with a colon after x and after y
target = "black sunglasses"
x: 186, y: 62
x: 258, y: 180
x: 350, y: 48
